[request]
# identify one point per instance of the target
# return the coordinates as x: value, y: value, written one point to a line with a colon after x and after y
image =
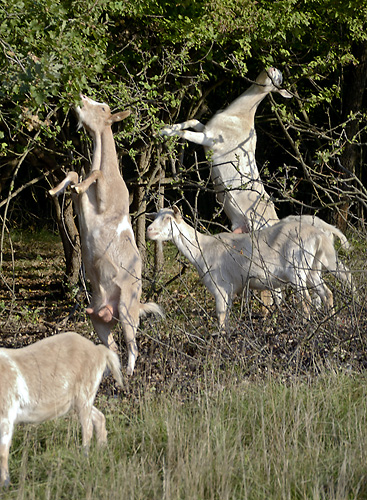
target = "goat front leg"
x: 306, y: 301
x: 85, y: 416
x: 71, y: 178
x: 96, y: 176
x: 83, y: 186
x: 196, y: 137
x: 222, y: 306
x: 171, y: 130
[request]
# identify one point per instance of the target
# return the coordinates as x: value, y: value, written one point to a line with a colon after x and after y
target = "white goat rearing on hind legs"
x: 46, y: 380
x: 285, y: 253
x: 110, y: 255
x: 230, y: 138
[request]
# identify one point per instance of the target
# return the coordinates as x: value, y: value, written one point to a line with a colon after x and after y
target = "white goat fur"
x: 110, y: 255
x: 47, y: 379
x: 229, y: 138
x: 286, y: 253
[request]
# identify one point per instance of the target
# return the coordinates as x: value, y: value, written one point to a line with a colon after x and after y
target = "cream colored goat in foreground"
x: 286, y: 253
x: 47, y: 379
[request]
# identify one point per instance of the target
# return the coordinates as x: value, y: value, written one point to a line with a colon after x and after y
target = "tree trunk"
x: 140, y: 222
x: 353, y: 92
x: 158, y: 254
x: 70, y: 239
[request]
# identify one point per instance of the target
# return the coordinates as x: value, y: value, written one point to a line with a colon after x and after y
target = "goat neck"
x: 108, y: 161
x: 267, y: 81
x: 190, y: 242
x: 97, y: 152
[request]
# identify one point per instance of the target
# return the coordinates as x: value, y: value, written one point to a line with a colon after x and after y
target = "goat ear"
x: 285, y: 93
x: 177, y: 212
x: 151, y: 215
x: 121, y: 115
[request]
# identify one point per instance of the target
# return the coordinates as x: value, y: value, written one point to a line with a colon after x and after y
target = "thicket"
x: 168, y: 62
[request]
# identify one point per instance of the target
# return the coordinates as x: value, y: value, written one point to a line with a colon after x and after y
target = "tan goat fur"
x: 110, y: 255
x: 49, y: 378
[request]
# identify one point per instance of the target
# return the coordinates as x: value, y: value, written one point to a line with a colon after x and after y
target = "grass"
x: 265, y: 440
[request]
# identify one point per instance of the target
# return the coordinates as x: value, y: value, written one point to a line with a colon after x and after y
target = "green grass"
x: 265, y: 440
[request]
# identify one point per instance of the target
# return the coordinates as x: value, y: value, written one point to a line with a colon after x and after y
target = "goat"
x: 285, y: 253
x: 110, y: 255
x: 46, y: 380
x: 313, y: 220
x: 230, y: 139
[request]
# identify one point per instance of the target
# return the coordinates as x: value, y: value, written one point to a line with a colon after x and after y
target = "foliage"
x: 169, y: 62
x: 150, y: 53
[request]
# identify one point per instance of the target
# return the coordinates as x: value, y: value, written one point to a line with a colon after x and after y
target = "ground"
x: 173, y: 351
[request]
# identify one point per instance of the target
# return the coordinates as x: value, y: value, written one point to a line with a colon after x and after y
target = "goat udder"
x: 106, y: 313
x: 241, y: 229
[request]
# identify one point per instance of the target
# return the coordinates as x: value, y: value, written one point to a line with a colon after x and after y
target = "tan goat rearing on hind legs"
x: 47, y: 379
x: 230, y: 138
x: 110, y: 255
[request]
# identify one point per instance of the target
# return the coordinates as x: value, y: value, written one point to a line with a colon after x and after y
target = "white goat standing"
x: 110, y: 255
x: 286, y: 253
x: 46, y: 380
x: 229, y: 138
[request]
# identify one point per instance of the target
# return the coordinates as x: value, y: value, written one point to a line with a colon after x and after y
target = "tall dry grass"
x: 249, y: 440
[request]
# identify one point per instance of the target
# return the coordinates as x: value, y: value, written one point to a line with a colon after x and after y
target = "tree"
x: 170, y: 62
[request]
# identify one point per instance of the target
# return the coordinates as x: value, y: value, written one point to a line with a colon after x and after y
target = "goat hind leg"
x: 99, y: 425
x: 6, y: 432
x: 323, y: 292
x: 129, y: 319
x: 132, y: 349
x: 103, y: 331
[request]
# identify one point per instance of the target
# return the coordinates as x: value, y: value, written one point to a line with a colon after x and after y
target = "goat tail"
x: 321, y: 224
x: 328, y: 257
x: 343, y: 273
x: 342, y: 238
x: 324, y: 226
x: 113, y: 364
x: 329, y: 228
x: 150, y: 307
